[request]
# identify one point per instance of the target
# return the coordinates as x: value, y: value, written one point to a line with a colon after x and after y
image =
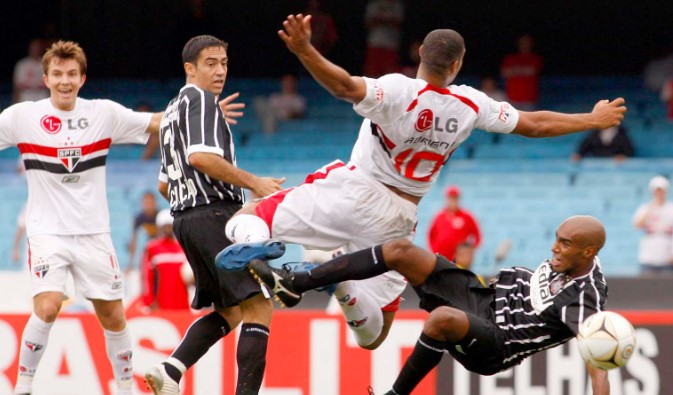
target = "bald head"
x: 441, y: 48
x: 587, y: 230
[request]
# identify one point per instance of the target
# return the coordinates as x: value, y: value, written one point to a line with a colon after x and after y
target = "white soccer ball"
x: 606, y: 340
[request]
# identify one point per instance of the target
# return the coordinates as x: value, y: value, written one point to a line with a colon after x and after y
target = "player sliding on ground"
x: 486, y: 329
x: 411, y: 128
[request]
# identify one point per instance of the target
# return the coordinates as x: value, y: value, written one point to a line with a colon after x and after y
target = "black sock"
x: 251, y: 358
x: 356, y: 266
x: 200, y: 336
x: 426, y: 355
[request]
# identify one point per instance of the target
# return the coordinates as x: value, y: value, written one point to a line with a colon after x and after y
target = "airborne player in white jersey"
x: 411, y: 128
x: 64, y: 141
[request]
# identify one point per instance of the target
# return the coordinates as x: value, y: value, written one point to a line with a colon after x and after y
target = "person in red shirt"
x: 521, y: 72
x: 162, y: 267
x: 452, y: 226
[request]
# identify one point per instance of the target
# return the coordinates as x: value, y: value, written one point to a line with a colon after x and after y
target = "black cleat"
x: 278, y: 280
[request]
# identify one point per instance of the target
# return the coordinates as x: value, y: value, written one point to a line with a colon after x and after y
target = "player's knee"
x: 47, y: 312
x: 257, y: 310
x: 442, y: 322
x: 246, y: 228
x: 397, y: 252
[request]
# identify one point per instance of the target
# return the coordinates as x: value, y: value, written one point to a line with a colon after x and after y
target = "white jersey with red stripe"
x: 412, y: 128
x: 64, y: 153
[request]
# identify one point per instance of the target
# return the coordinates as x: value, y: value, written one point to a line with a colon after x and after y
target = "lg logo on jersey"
x: 52, y: 124
x: 427, y: 120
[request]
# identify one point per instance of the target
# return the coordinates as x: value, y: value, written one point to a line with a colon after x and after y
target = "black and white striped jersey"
x: 541, y: 309
x: 193, y: 122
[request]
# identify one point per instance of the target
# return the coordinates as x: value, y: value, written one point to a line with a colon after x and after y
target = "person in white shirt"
x: 64, y: 142
x: 411, y: 128
x: 655, y: 218
x: 27, y: 79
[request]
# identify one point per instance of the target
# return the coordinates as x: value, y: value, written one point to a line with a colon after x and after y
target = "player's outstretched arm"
x: 296, y: 34
x: 220, y: 169
x: 599, y: 380
x: 551, y: 124
x: 153, y: 127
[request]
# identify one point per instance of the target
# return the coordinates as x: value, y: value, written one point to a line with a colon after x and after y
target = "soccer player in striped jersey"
x: 200, y: 179
x: 486, y: 329
x: 64, y: 142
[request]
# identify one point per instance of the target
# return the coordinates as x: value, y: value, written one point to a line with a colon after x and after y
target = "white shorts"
x: 341, y: 206
x: 91, y: 260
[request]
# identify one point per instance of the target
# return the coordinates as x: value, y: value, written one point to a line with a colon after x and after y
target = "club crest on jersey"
x: 41, y: 270
x: 51, y: 124
x: 33, y: 346
x: 424, y: 121
x: 69, y: 157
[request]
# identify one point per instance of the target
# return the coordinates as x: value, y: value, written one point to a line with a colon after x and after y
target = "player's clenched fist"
x: 609, y: 113
x: 296, y: 33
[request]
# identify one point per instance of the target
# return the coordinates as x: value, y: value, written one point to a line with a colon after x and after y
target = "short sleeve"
x: 7, y: 137
x: 203, y: 117
x: 385, y: 99
x: 494, y: 116
x: 129, y: 127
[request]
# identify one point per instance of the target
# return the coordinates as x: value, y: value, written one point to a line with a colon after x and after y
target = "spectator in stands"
x: 490, y: 87
x: 452, y: 226
x: 667, y: 96
x: 410, y: 65
x: 613, y: 142
x: 164, y: 287
x: 281, y: 106
x: 144, y: 221
x: 27, y: 83
x: 521, y: 72
x: 656, y: 220
x: 383, y: 20
x: 324, y: 33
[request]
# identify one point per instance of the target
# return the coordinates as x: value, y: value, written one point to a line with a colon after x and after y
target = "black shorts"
x: 200, y: 232
x: 482, y: 350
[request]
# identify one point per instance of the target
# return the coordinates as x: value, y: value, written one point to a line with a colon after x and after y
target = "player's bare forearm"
x: 551, y: 124
x: 153, y: 127
x: 336, y: 80
x: 220, y: 169
x: 599, y: 380
x: 163, y: 190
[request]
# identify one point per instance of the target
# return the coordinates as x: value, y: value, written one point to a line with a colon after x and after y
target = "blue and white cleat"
x: 237, y: 256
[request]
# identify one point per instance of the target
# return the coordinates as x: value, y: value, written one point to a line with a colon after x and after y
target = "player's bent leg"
x: 110, y: 314
x: 447, y: 324
x: 35, y: 336
x: 409, y: 260
x: 252, y: 343
x: 362, y: 313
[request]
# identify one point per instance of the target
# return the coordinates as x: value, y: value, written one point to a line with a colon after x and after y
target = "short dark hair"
x: 191, y: 50
x: 442, y: 47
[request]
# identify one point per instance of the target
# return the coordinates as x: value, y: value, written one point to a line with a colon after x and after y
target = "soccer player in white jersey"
x: 64, y: 142
x: 411, y: 128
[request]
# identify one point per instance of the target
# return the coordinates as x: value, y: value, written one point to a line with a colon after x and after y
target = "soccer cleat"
x: 278, y: 280
x: 160, y: 383
x: 305, y: 267
x: 238, y: 255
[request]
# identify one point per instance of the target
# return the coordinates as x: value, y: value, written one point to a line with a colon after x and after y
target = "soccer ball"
x: 606, y: 340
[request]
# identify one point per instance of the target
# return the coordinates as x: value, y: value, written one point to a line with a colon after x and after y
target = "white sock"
x: 118, y: 347
x: 33, y: 344
x: 362, y: 313
x: 247, y: 228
